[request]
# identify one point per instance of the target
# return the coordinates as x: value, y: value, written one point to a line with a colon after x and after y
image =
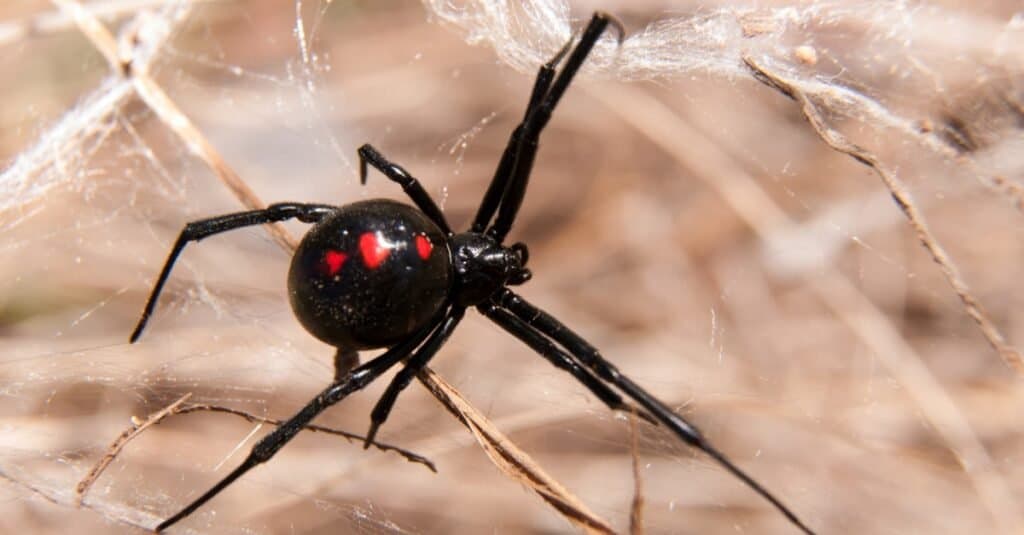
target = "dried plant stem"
x: 706, y: 161
x: 53, y: 22
x: 511, y: 460
x: 157, y: 99
x: 903, y: 199
x: 862, y: 317
x: 119, y: 443
x: 636, y: 508
x: 505, y: 455
x: 382, y: 446
x: 178, y: 407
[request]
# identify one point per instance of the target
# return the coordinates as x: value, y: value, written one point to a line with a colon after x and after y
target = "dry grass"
x: 698, y: 230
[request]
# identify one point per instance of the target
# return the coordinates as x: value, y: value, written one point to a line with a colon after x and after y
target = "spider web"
x: 713, y: 207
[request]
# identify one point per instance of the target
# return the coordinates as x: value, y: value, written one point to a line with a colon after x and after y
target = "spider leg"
x: 197, y: 230
x: 263, y: 450
x: 489, y: 203
x: 537, y: 118
x: 413, y: 366
x: 411, y: 186
x: 560, y: 359
x: 549, y: 326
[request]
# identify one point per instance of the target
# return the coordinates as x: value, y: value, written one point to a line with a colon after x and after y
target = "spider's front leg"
x: 508, y: 187
x: 503, y: 173
x: 411, y: 186
x: 559, y: 358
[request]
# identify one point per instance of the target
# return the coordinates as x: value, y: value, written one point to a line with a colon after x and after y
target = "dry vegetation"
x: 697, y: 228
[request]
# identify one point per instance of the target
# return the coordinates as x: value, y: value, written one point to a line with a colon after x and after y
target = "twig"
x: 44, y: 23
x: 382, y: 446
x: 156, y: 98
x: 178, y: 407
x: 511, y: 460
x: 119, y: 443
x: 636, y: 508
x: 707, y: 161
x: 903, y: 199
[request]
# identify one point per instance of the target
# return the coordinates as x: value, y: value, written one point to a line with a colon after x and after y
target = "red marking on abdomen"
x: 423, y: 246
x: 332, y: 262
x: 373, y: 251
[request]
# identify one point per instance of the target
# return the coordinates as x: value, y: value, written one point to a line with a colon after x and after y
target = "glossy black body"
x: 355, y: 303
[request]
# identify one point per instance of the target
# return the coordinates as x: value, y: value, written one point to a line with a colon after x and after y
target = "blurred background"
x: 683, y: 216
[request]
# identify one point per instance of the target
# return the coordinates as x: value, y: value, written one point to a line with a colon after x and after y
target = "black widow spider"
x: 381, y: 274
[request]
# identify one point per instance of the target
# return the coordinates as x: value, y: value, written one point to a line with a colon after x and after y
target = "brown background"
x: 828, y: 356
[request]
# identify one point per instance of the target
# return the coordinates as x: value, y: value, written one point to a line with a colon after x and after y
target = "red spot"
x: 374, y: 252
x: 333, y: 260
x: 423, y: 246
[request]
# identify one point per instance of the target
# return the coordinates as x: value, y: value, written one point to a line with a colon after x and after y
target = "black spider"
x: 378, y: 273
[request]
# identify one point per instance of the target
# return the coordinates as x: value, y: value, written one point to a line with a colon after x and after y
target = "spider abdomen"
x: 370, y: 274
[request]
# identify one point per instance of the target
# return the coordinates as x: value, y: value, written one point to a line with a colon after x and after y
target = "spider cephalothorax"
x: 381, y: 274
x: 483, y: 266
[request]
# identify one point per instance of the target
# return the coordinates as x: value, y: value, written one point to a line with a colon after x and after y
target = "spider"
x: 382, y: 274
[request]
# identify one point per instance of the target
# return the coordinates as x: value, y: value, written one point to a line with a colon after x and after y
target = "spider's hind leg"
x: 560, y: 359
x: 546, y: 325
